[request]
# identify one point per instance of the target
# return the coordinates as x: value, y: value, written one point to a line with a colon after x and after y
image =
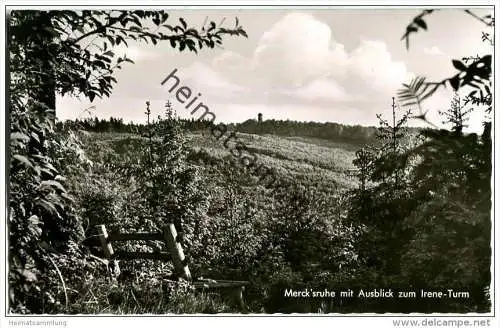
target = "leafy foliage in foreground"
x: 430, y: 227
x: 42, y: 218
x: 475, y: 76
x: 71, y: 52
x: 426, y: 222
x: 64, y: 52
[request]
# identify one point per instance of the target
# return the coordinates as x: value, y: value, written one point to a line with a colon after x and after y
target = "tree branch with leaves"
x: 63, y: 49
x: 476, y: 74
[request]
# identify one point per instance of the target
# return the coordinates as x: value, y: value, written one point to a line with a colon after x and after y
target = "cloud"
x: 235, y: 67
x: 294, y: 51
x: 230, y: 60
x: 299, y: 50
x: 199, y: 74
x: 374, y: 66
x: 433, y: 51
x: 213, y: 85
x: 320, y: 90
x: 136, y: 54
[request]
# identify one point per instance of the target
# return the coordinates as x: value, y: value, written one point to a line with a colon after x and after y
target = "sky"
x: 327, y: 64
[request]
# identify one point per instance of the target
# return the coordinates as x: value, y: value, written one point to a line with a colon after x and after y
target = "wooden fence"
x: 174, y: 253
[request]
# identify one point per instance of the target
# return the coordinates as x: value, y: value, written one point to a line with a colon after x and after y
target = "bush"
x: 42, y: 217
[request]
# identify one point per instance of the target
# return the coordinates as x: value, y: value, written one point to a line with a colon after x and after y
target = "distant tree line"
x: 328, y: 130
x: 113, y: 124
x: 355, y: 134
x: 103, y: 125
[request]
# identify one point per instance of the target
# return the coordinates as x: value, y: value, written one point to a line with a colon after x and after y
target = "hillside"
x: 313, y: 153
x: 313, y: 161
x: 319, y: 154
x: 306, y: 235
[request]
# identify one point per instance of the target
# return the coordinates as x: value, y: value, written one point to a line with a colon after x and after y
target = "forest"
x: 366, y: 209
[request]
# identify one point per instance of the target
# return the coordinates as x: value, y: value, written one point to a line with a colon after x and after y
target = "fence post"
x: 175, y: 250
x: 107, y: 248
x: 105, y: 244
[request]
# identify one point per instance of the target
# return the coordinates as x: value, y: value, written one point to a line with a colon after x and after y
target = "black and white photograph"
x: 249, y: 160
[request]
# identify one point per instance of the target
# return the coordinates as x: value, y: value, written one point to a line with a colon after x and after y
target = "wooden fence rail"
x: 135, y: 236
x: 169, y: 237
x: 160, y: 256
x: 175, y: 254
